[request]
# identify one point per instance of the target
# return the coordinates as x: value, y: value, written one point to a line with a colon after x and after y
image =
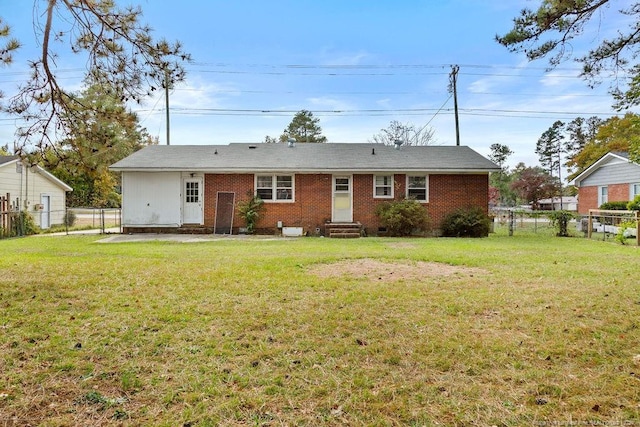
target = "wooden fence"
x: 614, y: 222
x: 5, y: 215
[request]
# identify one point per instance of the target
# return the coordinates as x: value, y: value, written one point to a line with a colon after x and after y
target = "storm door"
x: 224, y: 213
x: 342, y: 199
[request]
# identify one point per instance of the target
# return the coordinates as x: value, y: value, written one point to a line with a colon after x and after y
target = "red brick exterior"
x: 311, y: 209
x: 588, y: 196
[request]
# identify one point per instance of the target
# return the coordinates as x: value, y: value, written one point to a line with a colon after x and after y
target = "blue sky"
x: 357, y: 65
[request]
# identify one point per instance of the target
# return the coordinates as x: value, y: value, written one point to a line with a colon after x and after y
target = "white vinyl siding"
x: 383, y: 186
x: 26, y: 186
x: 613, y: 173
x: 151, y: 199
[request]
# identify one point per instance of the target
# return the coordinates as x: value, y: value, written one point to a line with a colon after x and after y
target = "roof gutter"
x: 306, y: 171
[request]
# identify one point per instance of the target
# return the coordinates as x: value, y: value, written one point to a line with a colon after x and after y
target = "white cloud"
x: 329, y: 103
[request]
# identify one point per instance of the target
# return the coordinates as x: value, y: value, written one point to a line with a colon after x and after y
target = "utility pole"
x: 453, y: 80
x: 166, y: 101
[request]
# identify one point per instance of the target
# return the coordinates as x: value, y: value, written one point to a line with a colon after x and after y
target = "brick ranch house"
x: 612, y: 178
x: 305, y: 186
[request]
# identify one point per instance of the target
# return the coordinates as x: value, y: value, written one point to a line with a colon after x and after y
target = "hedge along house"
x: 309, y: 187
x: 34, y: 190
x: 611, y: 178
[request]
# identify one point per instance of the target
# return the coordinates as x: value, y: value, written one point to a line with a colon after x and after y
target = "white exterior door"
x: 192, y: 201
x: 45, y: 213
x: 342, y: 199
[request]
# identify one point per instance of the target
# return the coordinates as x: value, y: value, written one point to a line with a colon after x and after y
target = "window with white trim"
x: 276, y: 188
x: 383, y: 186
x: 417, y: 187
x: 634, y: 190
x: 603, y: 195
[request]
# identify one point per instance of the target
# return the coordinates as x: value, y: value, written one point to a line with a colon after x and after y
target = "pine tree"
x: 304, y: 128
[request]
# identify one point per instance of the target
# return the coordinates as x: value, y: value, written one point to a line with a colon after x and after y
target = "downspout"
x: 20, y: 193
x: 26, y: 189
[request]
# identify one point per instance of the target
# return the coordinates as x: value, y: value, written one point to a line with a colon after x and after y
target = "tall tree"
x: 407, y: 133
x: 534, y: 184
x: 8, y: 44
x: 551, y: 29
x: 120, y: 53
x: 500, y: 181
x: 499, y: 154
x: 550, y: 147
x: 304, y: 128
x: 615, y: 134
x: 104, y: 131
x: 579, y: 132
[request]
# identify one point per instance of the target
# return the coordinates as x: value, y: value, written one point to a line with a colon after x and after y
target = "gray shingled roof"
x: 305, y: 157
x: 7, y: 159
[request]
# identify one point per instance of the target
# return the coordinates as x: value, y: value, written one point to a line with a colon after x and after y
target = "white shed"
x: 33, y: 189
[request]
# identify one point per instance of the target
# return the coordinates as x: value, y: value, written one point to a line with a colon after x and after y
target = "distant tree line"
x: 575, y: 145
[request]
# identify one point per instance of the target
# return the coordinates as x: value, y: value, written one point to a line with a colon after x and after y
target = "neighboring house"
x: 307, y: 186
x: 611, y: 178
x: 567, y: 203
x: 34, y: 190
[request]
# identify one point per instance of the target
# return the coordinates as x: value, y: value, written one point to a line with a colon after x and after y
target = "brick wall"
x: 618, y: 192
x: 241, y: 184
x: 310, y: 210
x: 364, y: 204
x: 587, y: 199
x: 312, y: 206
x: 448, y: 193
x: 588, y: 196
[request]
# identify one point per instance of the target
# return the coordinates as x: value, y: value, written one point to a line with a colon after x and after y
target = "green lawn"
x: 530, y: 330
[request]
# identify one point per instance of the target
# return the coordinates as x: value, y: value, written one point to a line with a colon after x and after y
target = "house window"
x: 342, y: 184
x: 634, y: 190
x: 603, y: 195
x: 274, y: 187
x: 383, y: 186
x: 417, y: 187
x: 192, y: 193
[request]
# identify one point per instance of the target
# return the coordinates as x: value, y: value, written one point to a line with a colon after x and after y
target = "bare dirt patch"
x: 391, y: 271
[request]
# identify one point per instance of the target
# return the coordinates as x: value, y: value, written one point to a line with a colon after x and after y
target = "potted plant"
x: 250, y: 211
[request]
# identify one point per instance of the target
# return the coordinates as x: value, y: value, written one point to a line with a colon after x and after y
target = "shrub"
x: 69, y: 218
x: 634, y: 205
x: 250, y: 210
x: 560, y: 220
x: 614, y: 206
x: 23, y: 224
x: 403, y: 217
x: 471, y: 222
x: 623, y: 234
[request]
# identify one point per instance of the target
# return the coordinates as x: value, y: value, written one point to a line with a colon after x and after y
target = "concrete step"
x: 344, y: 229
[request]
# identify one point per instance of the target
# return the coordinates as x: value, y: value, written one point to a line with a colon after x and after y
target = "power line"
x: 374, y: 112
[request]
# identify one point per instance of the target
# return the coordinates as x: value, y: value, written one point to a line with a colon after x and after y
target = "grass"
x: 240, y: 333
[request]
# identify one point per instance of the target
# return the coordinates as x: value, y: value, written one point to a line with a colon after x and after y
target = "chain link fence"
x: 611, y: 224
x: 622, y: 226
x: 520, y: 220
x: 15, y: 223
